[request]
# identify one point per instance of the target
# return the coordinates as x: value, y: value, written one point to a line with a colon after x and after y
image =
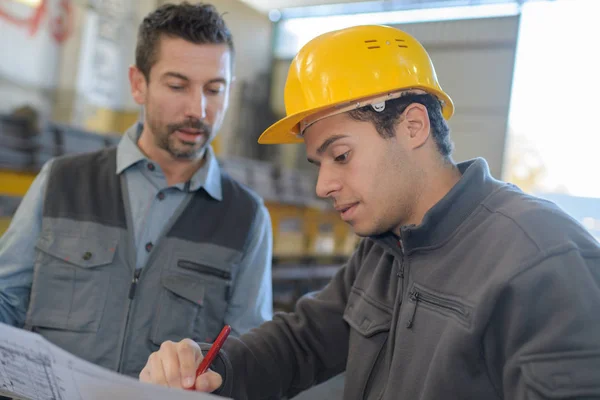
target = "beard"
x: 165, y: 139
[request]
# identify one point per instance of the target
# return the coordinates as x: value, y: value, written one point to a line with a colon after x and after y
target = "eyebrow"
x: 185, y: 78
x: 218, y: 80
x: 323, y: 147
x: 175, y: 75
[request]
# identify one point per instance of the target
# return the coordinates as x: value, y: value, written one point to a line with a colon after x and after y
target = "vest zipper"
x: 134, y: 281
x: 123, y: 341
x: 131, y: 295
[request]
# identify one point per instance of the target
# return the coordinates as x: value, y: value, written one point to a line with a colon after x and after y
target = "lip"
x: 190, y: 131
x: 189, y: 135
x: 347, y: 210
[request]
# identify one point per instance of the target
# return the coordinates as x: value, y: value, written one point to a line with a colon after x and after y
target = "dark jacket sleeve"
x: 543, y: 340
x: 295, y: 350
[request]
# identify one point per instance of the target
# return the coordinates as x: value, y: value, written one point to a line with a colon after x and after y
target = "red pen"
x: 214, y: 350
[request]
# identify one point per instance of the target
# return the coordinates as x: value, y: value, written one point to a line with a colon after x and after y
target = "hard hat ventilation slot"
x: 401, y: 43
x: 372, y: 44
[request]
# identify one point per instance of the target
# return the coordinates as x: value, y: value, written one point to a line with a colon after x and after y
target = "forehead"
x: 340, y: 124
x: 197, y: 61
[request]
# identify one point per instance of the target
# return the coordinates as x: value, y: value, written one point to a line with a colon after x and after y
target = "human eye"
x: 342, y: 158
x: 215, y: 89
x: 176, y: 88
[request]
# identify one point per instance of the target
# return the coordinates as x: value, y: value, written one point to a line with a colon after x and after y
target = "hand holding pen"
x: 182, y: 365
x: 212, y: 352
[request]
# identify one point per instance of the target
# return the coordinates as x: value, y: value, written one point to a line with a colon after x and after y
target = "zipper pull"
x: 414, y: 296
x: 136, y: 278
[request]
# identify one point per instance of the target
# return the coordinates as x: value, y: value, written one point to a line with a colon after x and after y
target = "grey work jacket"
x: 494, y: 296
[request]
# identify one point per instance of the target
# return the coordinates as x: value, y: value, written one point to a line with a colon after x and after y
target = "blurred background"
x: 522, y: 75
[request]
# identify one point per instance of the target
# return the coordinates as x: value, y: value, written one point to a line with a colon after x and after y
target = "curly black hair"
x: 386, y: 120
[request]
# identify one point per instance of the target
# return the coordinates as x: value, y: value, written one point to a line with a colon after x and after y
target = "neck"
x: 175, y: 170
x: 438, y: 181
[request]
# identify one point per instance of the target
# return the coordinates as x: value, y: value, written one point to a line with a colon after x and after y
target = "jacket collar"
x: 442, y: 220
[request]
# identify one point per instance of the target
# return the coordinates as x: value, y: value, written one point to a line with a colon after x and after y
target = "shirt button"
x: 151, y: 166
x: 87, y: 255
x: 160, y: 196
x: 149, y: 247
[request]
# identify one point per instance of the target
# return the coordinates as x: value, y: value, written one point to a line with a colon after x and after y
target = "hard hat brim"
x: 285, y: 131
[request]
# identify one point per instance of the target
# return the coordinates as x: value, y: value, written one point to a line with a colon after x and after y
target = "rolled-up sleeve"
x: 17, y: 253
x: 251, y: 302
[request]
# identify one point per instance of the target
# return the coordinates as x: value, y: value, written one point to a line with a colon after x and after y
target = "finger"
x: 145, y: 375
x: 157, y: 374
x: 209, y: 382
x: 189, y: 355
x: 170, y: 364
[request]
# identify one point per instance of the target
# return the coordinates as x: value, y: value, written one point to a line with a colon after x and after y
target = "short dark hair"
x: 385, y: 121
x: 198, y: 23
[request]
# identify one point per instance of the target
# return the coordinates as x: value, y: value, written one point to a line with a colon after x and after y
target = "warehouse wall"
x: 30, y: 56
x: 474, y: 61
x: 42, y: 71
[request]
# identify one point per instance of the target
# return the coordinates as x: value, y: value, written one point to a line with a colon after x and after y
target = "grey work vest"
x: 83, y: 298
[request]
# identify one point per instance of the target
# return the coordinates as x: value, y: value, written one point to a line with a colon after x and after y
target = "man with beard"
x: 112, y: 253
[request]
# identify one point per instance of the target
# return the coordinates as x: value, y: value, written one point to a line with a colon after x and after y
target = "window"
x: 293, y: 33
x: 553, y: 139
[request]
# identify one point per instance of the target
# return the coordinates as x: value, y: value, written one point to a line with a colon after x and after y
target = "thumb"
x: 208, y: 382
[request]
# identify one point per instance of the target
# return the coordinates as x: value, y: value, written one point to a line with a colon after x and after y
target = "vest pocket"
x: 70, y: 282
x: 180, y: 312
x: 217, y: 274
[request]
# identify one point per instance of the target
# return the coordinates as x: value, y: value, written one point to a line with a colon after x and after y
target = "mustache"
x: 191, y: 124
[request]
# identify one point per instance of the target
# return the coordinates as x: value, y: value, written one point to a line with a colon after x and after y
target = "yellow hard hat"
x: 348, y: 69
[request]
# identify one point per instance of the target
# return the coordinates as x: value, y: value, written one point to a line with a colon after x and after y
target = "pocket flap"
x: 83, y: 252
x: 185, y: 286
x: 563, y: 375
x: 366, y: 317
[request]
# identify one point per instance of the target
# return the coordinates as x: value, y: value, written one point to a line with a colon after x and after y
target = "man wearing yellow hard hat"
x: 463, y: 287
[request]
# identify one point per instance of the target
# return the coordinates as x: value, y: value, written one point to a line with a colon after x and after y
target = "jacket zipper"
x: 402, y: 274
x: 401, y: 268
x: 205, y: 269
x: 417, y: 296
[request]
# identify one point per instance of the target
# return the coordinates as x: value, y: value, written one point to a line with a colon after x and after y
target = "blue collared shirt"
x: 251, y: 301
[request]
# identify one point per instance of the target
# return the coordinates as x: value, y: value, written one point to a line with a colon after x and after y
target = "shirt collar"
x: 207, y: 177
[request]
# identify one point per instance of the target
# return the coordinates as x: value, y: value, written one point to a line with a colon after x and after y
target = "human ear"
x: 138, y: 85
x: 418, y: 127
